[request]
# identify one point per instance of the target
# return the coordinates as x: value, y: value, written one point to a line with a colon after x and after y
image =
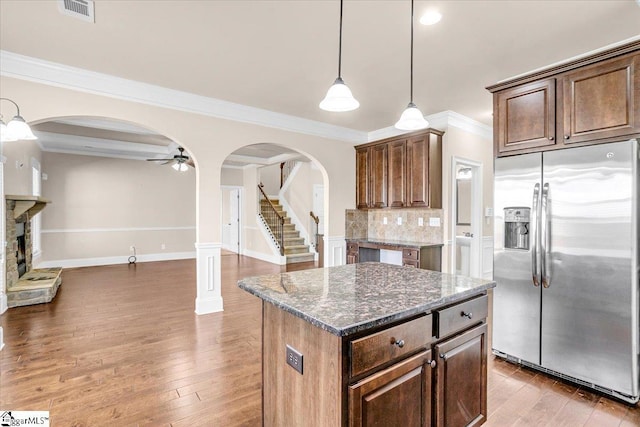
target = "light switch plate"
x: 399, y: 220
x: 384, y: 220
x: 421, y: 222
x: 434, y: 222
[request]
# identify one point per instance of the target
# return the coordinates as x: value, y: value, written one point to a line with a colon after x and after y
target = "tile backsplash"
x: 370, y: 224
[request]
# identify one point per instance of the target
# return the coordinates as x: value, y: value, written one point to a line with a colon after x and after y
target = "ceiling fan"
x: 179, y: 162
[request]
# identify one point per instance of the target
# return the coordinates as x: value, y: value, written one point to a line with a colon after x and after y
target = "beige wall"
x: 17, y: 169
x: 201, y: 136
x: 299, y: 194
x: 231, y: 176
x: 101, y: 206
x: 269, y: 176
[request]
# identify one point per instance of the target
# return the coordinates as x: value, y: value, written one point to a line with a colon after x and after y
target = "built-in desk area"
x: 423, y: 255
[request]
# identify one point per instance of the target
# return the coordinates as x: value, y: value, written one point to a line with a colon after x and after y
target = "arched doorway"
x: 273, y: 181
x: 108, y: 202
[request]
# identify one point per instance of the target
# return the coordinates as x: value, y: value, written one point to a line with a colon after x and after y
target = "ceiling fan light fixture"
x: 180, y: 167
x: 411, y: 119
x: 339, y: 98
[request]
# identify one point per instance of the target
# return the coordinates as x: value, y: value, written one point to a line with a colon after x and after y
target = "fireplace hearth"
x: 26, y: 285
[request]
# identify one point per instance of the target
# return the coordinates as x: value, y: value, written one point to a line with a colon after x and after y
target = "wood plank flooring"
x: 121, y: 345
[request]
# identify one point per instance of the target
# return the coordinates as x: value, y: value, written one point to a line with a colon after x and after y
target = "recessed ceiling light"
x: 430, y: 17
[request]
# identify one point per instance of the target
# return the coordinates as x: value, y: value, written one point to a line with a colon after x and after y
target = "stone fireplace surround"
x: 36, y: 285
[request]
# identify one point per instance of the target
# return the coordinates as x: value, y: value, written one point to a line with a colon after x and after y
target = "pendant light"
x: 411, y: 118
x: 17, y: 128
x: 339, y: 97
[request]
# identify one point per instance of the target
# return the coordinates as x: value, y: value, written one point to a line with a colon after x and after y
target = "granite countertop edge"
x: 396, y: 243
x: 370, y: 323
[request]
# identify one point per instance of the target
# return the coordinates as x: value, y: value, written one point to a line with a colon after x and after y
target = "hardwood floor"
x: 121, y: 345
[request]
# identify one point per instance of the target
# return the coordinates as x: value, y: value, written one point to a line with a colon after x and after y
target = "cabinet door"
x: 362, y: 178
x: 397, y: 192
x: 526, y: 116
x: 602, y: 101
x: 461, y: 386
x: 352, y: 257
x: 379, y: 176
x: 399, y: 396
x: 418, y: 169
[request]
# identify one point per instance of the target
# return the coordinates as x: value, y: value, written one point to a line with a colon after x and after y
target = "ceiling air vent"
x: 82, y: 9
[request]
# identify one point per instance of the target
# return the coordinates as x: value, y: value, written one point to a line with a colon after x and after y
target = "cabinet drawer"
x: 374, y: 350
x: 352, y: 247
x: 461, y: 316
x: 410, y: 254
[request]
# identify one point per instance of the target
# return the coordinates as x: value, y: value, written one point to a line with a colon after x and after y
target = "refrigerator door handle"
x: 534, y: 235
x: 545, y: 238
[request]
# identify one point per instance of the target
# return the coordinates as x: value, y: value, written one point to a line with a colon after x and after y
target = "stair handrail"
x: 273, y: 216
x: 316, y: 220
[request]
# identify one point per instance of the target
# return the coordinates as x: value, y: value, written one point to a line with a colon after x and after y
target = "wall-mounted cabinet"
x: 400, y: 172
x: 592, y: 100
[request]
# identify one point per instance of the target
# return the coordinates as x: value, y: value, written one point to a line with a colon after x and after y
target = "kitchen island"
x: 372, y: 344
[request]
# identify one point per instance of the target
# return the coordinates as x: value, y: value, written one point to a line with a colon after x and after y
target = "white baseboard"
x: 91, y: 262
x: 273, y: 259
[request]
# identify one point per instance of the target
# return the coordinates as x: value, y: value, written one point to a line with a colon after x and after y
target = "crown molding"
x: 440, y: 121
x: 78, y: 79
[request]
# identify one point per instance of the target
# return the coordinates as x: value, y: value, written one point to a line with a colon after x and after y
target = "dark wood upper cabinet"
x: 599, y: 103
x: 379, y: 180
x: 526, y: 116
x: 590, y: 100
x: 404, y: 171
x: 362, y: 178
x: 397, y: 192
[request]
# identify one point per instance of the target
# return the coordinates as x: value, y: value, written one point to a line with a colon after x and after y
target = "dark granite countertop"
x: 355, y: 297
x: 398, y: 243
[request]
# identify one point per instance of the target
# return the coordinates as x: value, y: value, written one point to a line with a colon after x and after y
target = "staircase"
x: 294, y: 248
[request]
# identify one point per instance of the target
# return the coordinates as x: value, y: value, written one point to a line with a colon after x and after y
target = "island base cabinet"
x: 399, y: 396
x: 461, y: 379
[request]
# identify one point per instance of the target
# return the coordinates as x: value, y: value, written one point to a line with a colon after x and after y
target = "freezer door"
x: 589, y: 309
x: 516, y: 303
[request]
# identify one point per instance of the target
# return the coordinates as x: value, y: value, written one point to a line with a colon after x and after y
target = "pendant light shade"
x: 339, y: 97
x: 411, y: 118
x: 17, y: 128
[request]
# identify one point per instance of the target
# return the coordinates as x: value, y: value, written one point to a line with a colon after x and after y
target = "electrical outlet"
x: 163, y: 246
x: 399, y: 220
x: 132, y: 248
x: 420, y: 222
x: 434, y: 222
x: 294, y: 358
x: 384, y: 220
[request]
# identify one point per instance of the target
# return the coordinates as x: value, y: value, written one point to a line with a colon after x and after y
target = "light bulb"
x: 19, y: 129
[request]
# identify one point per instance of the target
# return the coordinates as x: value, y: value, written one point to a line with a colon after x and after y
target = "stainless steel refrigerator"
x: 566, y: 264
